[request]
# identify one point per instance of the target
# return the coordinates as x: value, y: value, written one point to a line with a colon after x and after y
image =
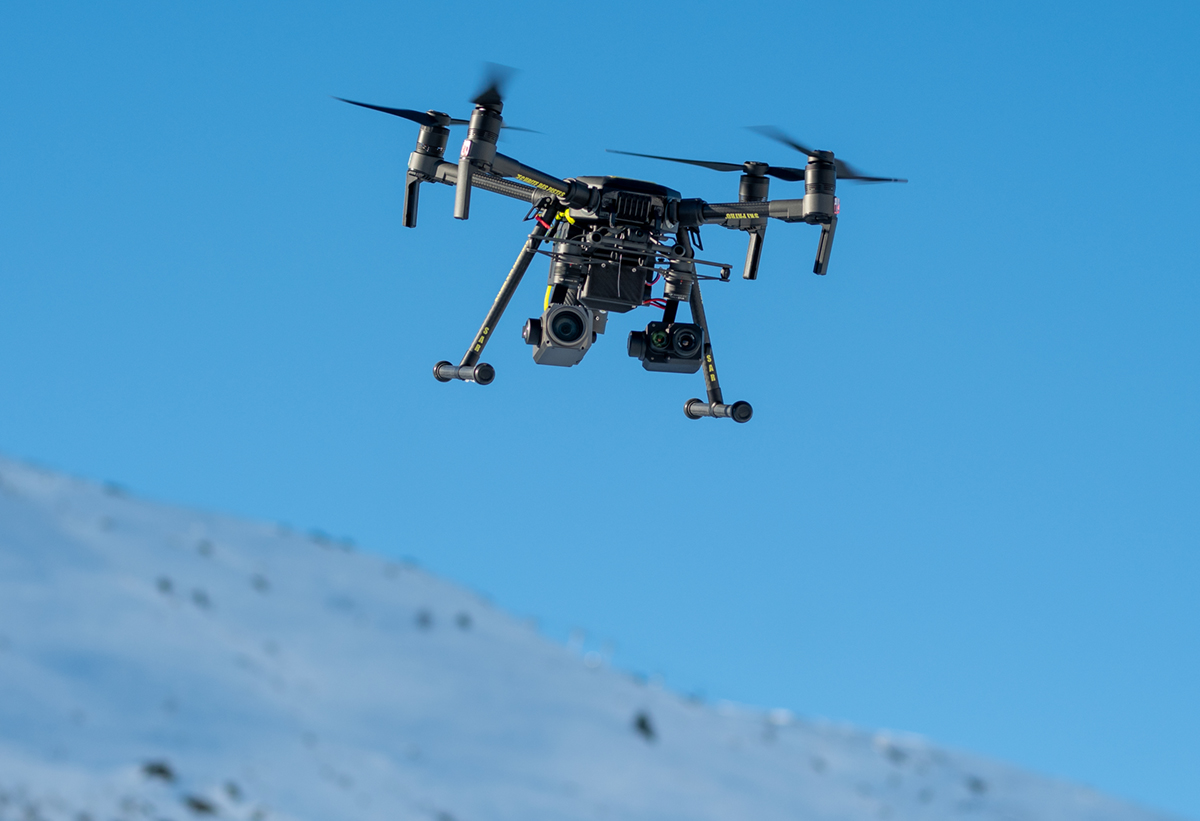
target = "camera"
x: 676, y: 347
x: 561, y: 336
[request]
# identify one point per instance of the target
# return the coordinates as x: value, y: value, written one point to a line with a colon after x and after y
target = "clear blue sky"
x: 967, y: 503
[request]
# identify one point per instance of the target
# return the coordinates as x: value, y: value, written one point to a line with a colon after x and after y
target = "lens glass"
x: 658, y: 340
x: 567, y: 326
x: 686, y: 341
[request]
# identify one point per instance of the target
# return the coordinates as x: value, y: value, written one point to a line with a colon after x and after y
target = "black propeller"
x: 753, y: 168
x: 430, y: 117
x: 492, y: 96
x: 495, y: 79
x: 845, y: 171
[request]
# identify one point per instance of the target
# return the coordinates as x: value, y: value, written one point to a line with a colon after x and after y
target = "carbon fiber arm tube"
x: 447, y: 174
x: 507, y: 187
x: 506, y: 166
x: 746, y: 214
x: 572, y: 193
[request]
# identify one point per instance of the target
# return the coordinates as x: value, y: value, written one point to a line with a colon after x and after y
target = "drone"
x: 612, y: 240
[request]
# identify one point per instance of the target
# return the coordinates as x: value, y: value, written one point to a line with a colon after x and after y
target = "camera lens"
x: 567, y: 327
x: 532, y: 332
x: 686, y: 341
x: 658, y: 340
x: 637, y: 344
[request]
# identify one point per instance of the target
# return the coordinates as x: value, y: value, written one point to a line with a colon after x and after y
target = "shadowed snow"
x: 161, y: 663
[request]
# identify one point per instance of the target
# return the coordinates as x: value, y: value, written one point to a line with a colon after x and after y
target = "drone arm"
x: 508, y: 188
x: 572, y: 193
x: 506, y: 166
x: 752, y: 217
x: 788, y: 210
x: 745, y: 215
x: 447, y: 174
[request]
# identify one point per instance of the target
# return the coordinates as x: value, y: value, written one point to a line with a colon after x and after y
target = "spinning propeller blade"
x: 715, y: 166
x: 776, y: 171
x: 845, y: 171
x: 495, y: 79
x: 418, y: 117
x: 426, y: 117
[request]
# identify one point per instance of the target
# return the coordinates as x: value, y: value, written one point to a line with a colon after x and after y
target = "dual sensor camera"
x: 675, y: 347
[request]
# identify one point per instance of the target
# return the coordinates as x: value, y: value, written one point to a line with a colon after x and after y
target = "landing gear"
x: 738, y: 411
x: 471, y: 369
x: 664, y: 346
x: 714, y: 407
x: 483, y: 373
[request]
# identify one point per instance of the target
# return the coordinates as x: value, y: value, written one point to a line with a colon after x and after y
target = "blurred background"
x: 966, y: 504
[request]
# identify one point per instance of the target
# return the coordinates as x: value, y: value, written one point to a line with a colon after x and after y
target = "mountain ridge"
x: 276, y: 675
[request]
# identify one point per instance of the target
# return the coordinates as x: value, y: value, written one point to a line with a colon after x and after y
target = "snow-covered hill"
x: 158, y: 663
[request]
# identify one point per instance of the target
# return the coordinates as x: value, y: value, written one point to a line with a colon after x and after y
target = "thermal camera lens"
x: 658, y: 340
x: 686, y: 341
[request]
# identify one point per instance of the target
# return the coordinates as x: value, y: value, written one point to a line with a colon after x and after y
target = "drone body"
x: 611, y: 241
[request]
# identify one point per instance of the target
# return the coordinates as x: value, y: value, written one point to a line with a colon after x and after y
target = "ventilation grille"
x: 633, y: 207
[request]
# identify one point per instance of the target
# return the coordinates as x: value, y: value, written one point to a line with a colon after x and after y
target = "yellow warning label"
x: 541, y: 185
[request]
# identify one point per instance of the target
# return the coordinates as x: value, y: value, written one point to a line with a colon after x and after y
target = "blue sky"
x: 966, y: 505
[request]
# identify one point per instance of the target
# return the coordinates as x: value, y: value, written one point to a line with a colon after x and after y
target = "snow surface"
x: 161, y: 663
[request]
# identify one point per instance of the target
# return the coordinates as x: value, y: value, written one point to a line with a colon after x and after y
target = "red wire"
x: 542, y: 222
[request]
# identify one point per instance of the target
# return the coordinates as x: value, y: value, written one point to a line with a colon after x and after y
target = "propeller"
x: 756, y: 169
x: 479, y: 149
x: 430, y: 117
x: 845, y: 171
x: 496, y: 77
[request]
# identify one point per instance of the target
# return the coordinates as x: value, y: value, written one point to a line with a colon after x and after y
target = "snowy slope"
x: 161, y: 663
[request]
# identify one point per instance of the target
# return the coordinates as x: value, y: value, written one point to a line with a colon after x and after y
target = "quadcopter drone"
x: 612, y: 240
